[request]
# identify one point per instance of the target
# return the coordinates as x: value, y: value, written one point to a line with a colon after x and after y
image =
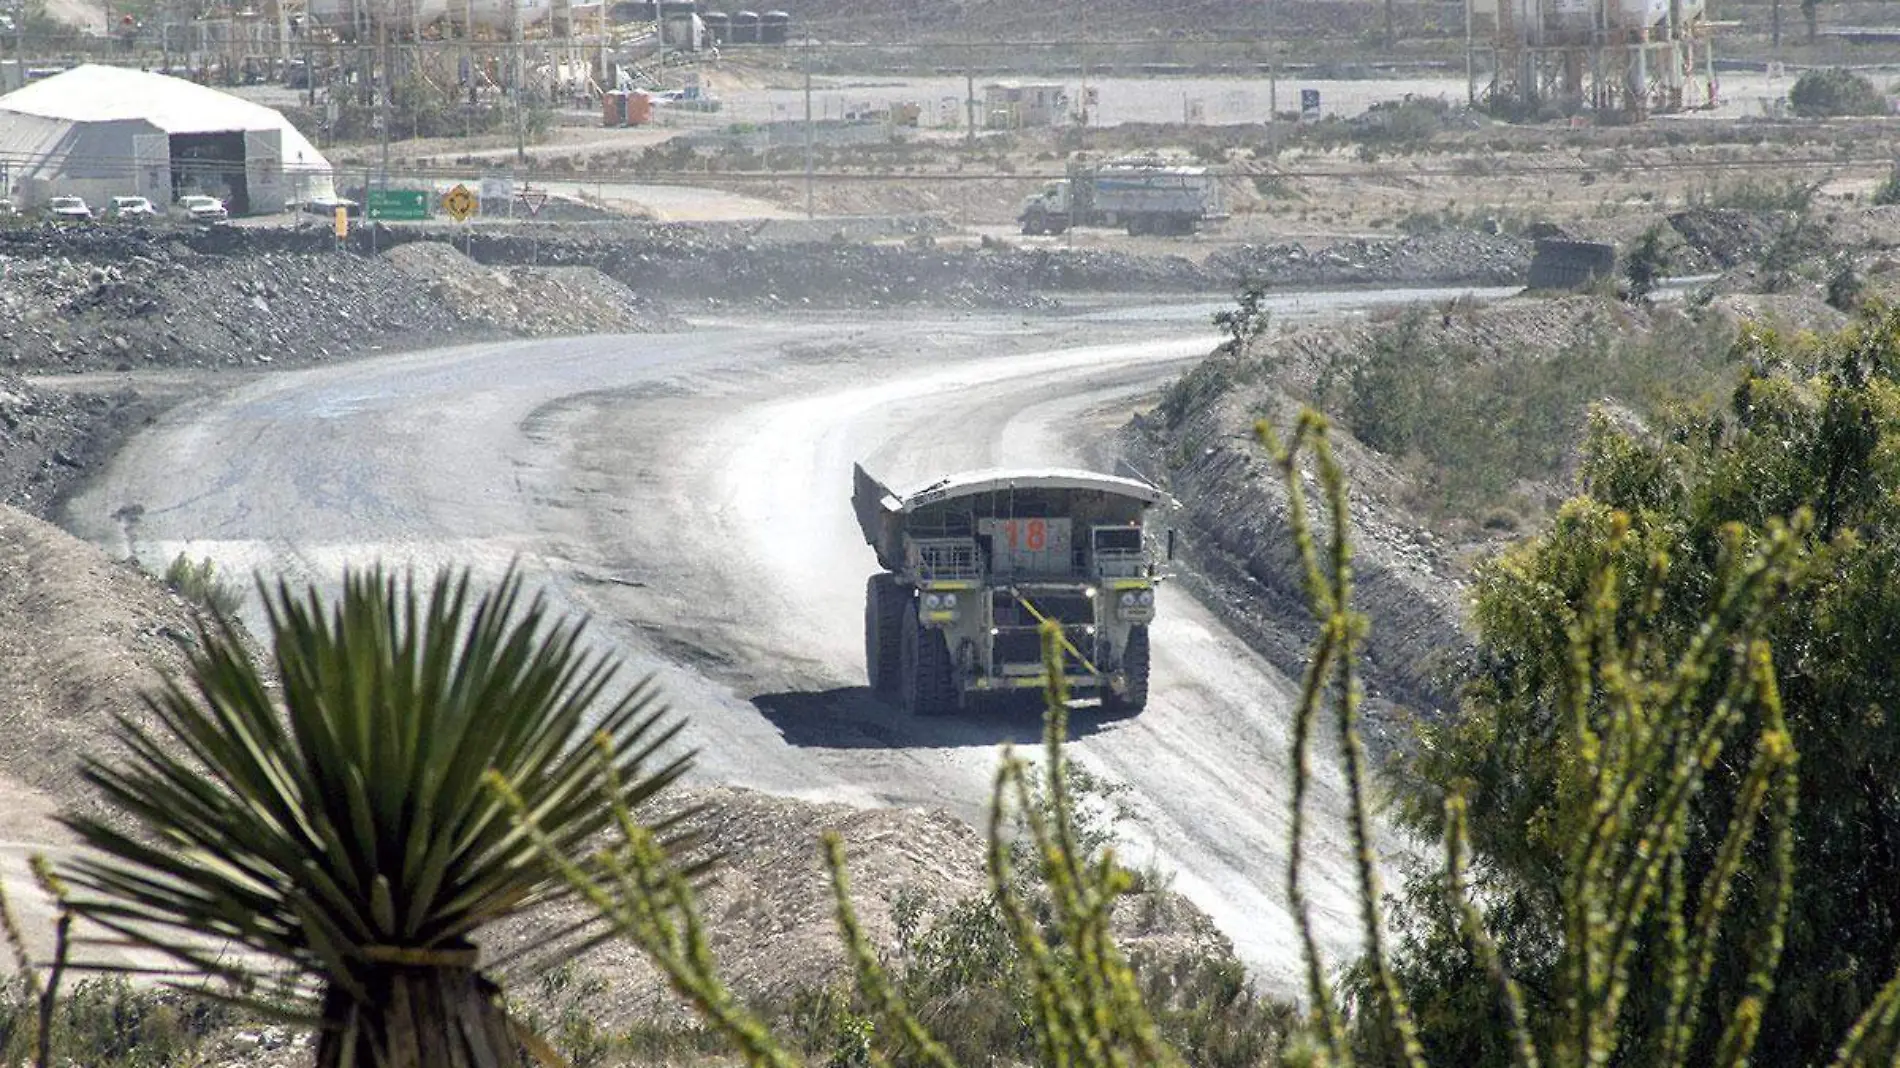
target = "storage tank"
x: 718, y: 26
x: 678, y: 24
x: 1567, y: 16
x: 494, y: 14
x: 367, y: 14
x: 1570, y: 15
x: 775, y: 27
x: 1656, y: 12
x: 745, y: 27
x: 633, y: 11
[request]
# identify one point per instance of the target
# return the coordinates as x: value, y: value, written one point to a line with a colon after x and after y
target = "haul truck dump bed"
x: 972, y: 565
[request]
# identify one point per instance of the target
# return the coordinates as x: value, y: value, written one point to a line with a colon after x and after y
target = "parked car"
x: 134, y: 209
x: 203, y: 208
x: 326, y: 206
x: 69, y: 209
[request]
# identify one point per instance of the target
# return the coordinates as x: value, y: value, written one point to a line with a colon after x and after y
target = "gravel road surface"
x: 691, y: 490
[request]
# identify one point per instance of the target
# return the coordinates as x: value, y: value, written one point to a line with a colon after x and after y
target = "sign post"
x: 460, y: 204
x: 498, y: 195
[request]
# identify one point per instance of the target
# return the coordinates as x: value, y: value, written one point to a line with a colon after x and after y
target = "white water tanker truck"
x: 973, y: 565
x: 1141, y: 196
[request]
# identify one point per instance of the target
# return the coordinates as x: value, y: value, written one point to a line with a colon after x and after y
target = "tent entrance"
x: 212, y: 164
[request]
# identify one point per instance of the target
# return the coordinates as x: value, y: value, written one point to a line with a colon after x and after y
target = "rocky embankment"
x: 113, y: 299
x: 1235, y: 522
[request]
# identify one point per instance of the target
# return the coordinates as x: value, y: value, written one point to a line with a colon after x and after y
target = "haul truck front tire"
x: 1134, y: 694
x: 884, y: 603
x: 927, y: 686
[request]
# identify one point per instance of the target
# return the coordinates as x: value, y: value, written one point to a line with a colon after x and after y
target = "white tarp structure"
x: 99, y: 132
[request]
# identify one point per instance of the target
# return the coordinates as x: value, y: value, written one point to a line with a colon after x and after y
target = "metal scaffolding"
x: 1620, y: 60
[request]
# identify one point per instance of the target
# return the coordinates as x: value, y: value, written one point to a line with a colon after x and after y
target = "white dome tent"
x: 99, y: 132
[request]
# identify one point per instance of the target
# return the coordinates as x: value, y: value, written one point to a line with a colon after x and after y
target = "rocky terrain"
x: 103, y: 300
x: 82, y: 635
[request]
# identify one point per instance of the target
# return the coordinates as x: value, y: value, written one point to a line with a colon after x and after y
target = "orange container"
x: 639, y: 109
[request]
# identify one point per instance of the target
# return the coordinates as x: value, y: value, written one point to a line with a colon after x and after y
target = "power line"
x: 105, y: 167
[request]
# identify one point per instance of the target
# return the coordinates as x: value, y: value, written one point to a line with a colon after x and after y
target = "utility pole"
x: 520, y: 80
x: 809, y: 212
x: 969, y: 82
x: 1273, y: 70
x: 383, y: 87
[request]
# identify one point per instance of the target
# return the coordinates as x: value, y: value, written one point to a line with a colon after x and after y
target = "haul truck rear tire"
x: 884, y: 633
x: 1134, y: 695
x: 927, y: 686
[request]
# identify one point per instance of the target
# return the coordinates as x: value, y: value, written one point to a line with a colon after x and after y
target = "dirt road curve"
x: 691, y: 491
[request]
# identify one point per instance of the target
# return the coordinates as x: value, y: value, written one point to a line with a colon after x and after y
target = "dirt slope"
x: 80, y: 636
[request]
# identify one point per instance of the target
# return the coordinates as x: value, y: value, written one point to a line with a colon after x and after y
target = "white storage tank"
x: 1567, y: 16
x: 494, y: 14
x: 402, y: 14
x: 1656, y: 12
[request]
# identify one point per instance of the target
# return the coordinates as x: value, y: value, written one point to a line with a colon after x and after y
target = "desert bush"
x: 1645, y: 265
x: 1749, y: 194
x: 1809, y: 433
x: 1888, y: 191
x: 1247, y: 320
x: 1833, y: 92
x: 202, y: 585
x: 338, y: 821
x: 1480, y: 421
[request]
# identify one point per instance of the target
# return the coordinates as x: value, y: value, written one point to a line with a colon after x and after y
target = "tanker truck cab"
x: 1049, y: 209
x: 972, y: 567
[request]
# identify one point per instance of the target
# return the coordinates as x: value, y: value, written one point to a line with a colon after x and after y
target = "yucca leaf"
x: 352, y: 811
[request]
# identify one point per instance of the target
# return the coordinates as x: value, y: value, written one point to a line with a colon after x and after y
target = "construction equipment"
x: 974, y: 564
x: 1144, y: 196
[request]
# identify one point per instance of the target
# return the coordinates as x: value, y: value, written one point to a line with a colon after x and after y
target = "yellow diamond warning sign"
x: 460, y: 203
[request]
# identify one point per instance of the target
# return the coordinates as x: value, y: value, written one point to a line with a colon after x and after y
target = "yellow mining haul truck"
x: 974, y: 563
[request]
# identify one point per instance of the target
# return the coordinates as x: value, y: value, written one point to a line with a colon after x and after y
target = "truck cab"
x: 975, y: 564
x: 1049, y: 209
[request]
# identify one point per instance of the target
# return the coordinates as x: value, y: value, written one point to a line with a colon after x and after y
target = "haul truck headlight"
x: 940, y: 606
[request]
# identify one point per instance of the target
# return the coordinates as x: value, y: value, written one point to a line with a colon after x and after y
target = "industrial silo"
x: 775, y: 27
x: 745, y: 27
x: 718, y: 26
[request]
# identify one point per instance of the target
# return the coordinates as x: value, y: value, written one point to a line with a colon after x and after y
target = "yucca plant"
x: 347, y: 834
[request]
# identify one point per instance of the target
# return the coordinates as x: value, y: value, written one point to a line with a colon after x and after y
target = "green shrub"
x: 201, y: 584
x: 1478, y: 421
x: 1748, y: 194
x: 1805, y: 448
x: 1888, y: 191
x: 1645, y: 265
x: 1820, y: 94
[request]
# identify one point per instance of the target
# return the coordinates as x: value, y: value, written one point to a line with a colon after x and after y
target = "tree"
x: 1810, y: 430
x: 1821, y: 94
x: 354, y: 839
x: 1645, y: 265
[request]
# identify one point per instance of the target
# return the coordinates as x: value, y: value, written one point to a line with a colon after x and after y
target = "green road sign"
x: 396, y: 205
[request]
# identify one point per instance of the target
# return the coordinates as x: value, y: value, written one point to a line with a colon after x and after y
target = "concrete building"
x: 99, y: 132
x: 1016, y: 105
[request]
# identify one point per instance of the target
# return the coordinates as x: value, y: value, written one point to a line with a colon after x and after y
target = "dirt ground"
x: 83, y: 636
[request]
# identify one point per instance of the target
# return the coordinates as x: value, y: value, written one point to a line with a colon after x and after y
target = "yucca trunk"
x: 418, y: 1017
